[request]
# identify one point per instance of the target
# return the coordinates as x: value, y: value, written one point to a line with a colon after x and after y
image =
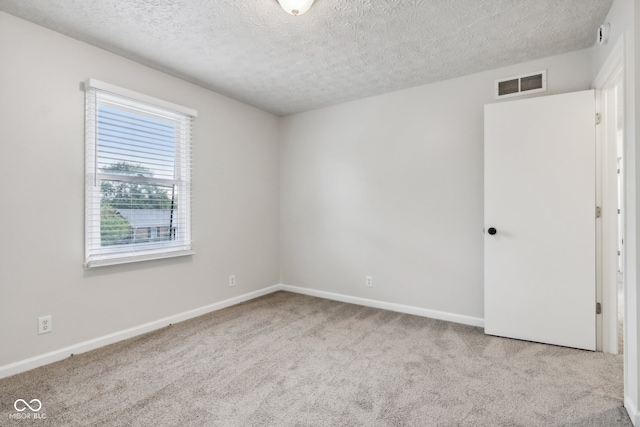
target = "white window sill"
x: 136, y: 258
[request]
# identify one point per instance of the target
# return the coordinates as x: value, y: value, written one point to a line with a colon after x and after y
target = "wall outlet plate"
x: 45, y: 325
x: 232, y: 280
x: 368, y: 282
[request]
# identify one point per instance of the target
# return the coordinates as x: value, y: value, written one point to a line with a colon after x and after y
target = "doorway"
x: 610, y: 104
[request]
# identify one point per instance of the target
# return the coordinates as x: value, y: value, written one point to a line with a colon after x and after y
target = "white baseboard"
x: 632, y: 410
x: 417, y: 311
x: 63, y: 353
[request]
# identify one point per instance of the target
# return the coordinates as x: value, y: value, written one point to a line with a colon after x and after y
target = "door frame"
x: 611, y: 74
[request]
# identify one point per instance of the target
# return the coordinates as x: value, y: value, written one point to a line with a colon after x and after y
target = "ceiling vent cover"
x: 521, y: 85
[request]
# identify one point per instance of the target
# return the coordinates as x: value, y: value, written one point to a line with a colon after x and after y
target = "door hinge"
x: 598, y: 118
x: 598, y: 308
x: 598, y: 211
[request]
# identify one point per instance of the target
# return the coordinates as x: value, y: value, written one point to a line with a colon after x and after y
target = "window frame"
x: 96, y: 255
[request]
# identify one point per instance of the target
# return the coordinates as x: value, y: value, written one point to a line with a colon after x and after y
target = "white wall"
x: 632, y: 187
x: 235, y: 186
x: 392, y: 186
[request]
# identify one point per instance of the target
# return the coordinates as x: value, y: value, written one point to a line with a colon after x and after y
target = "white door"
x: 539, y: 183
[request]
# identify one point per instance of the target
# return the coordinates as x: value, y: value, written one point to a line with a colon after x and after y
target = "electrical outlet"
x: 45, y: 325
x: 232, y: 280
x: 368, y: 282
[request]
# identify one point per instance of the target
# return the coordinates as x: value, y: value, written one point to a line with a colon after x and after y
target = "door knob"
x: 492, y: 231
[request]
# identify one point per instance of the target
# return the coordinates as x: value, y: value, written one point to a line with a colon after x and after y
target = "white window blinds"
x: 138, y: 177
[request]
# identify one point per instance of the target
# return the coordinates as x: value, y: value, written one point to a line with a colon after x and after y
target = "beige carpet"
x: 292, y: 360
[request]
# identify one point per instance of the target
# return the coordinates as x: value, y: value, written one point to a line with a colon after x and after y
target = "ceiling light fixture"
x: 296, y: 7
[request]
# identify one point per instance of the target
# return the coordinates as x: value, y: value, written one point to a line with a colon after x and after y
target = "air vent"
x: 521, y: 85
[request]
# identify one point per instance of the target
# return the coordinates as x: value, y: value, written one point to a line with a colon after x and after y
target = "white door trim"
x: 606, y: 196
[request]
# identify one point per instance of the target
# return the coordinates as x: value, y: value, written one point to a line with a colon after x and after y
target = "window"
x: 138, y: 177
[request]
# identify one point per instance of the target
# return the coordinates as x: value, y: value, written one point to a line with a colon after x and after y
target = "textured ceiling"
x: 339, y: 51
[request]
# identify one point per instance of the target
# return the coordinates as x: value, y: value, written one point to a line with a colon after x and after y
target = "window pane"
x: 133, y: 213
x: 135, y: 144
